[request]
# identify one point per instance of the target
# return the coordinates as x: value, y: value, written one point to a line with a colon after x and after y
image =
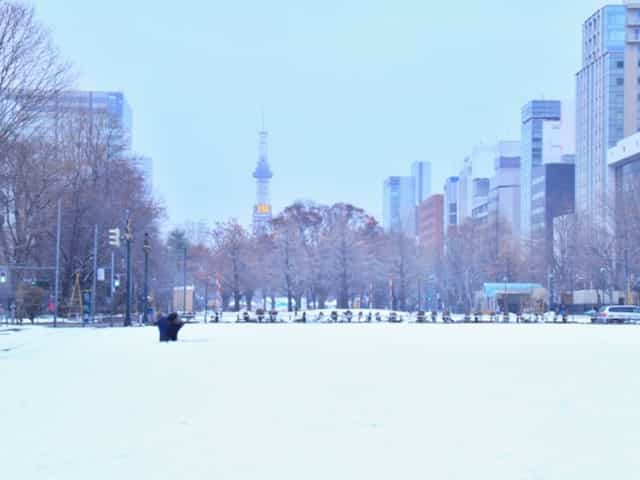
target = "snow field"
x: 286, y: 401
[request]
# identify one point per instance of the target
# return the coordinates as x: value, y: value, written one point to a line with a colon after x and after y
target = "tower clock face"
x: 263, y: 209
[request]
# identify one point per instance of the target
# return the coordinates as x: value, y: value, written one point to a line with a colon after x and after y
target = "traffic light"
x: 116, y: 281
x: 3, y: 277
x: 114, y: 237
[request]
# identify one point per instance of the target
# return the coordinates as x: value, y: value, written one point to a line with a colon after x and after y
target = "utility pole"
x: 127, y: 237
x: 95, y: 274
x: 147, y: 248
x: 57, y: 279
x: 206, y: 299
x: 184, y: 282
x: 113, y: 275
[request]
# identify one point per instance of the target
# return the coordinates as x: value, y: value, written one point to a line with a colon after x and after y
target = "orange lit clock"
x: 263, y: 209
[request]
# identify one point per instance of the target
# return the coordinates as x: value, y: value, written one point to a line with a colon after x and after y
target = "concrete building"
x: 624, y: 171
x: 553, y: 196
x: 262, y: 210
x: 110, y: 111
x: 541, y: 143
x: 607, y: 99
x: 451, y: 199
x: 480, y: 198
x: 399, y: 206
x: 474, y: 177
x: 430, y: 233
x: 479, y: 164
x: 112, y: 106
x: 504, y: 197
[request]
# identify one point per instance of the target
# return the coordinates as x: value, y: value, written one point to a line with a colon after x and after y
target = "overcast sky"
x: 353, y: 91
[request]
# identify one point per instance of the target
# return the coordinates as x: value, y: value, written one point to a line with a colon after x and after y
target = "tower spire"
x: 262, y: 211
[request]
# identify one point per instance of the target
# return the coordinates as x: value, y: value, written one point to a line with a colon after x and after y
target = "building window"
x: 620, y: 64
x: 620, y: 81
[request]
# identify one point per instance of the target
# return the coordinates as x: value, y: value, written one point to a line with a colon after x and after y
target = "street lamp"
x: 551, y: 296
x: 506, y: 296
x: 184, y: 282
x: 147, y: 248
x: 206, y: 297
x: 604, y: 281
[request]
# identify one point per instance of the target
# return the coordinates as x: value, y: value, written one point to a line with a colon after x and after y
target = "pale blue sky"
x: 353, y: 91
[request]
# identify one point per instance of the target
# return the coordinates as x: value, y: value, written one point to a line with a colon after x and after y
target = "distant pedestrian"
x: 175, y: 324
x: 162, y: 321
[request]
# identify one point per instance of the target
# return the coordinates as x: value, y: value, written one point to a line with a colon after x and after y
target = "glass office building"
x: 606, y: 100
x: 535, y: 116
x: 399, y: 209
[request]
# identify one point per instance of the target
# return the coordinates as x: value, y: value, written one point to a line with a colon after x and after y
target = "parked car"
x: 618, y: 314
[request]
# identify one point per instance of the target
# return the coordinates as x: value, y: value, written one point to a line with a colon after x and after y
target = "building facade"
x: 430, y: 233
x: 262, y: 210
x: 481, y: 190
x: 421, y: 173
x: 553, y: 196
x: 607, y: 100
x: 399, y: 206
x: 541, y: 143
x: 112, y: 106
x: 450, y: 207
x: 504, y: 197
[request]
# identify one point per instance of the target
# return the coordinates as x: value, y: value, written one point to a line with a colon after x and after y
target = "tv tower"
x: 262, y: 211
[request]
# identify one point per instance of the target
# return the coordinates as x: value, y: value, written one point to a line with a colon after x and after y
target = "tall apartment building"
x: 399, y: 206
x: 607, y: 100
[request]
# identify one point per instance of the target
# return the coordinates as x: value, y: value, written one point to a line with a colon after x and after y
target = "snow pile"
x: 348, y: 401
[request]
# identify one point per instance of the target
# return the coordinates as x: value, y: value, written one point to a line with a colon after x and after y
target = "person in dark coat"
x: 175, y: 324
x: 163, y: 327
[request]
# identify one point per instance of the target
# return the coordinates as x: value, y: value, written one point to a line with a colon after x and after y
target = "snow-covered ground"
x: 289, y: 401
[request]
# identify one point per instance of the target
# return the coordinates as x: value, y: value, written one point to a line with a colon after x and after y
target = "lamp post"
x: 604, y: 281
x: 506, y: 297
x: 128, y: 236
x: 551, y: 296
x: 206, y: 297
x: 184, y: 282
x: 147, y: 248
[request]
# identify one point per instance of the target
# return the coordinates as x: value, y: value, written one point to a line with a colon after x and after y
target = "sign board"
x: 100, y: 275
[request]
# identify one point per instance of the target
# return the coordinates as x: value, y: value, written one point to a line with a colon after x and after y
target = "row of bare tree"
x: 320, y: 253
x: 51, y: 156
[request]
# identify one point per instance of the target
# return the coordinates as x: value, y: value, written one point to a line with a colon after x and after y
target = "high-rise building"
x: 541, y: 139
x: 553, y: 195
x: 451, y: 201
x: 111, y: 106
x: 504, y: 197
x: 398, y: 213
x: 478, y: 165
x: 262, y: 210
x: 399, y: 206
x: 480, y: 198
x: 607, y: 100
x: 430, y: 234
x: 421, y: 173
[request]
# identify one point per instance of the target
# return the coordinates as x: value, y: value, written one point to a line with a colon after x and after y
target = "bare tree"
x: 32, y: 72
